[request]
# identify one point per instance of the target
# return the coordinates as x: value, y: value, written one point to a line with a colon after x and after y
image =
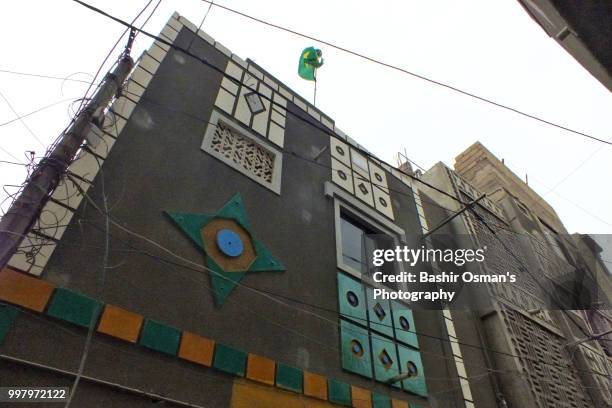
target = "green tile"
x: 7, y: 317
x: 289, y: 378
x: 403, y: 324
x: 380, y: 400
x: 413, y: 405
x: 379, y: 314
x: 160, y: 337
x: 229, y: 359
x: 351, y: 291
x: 355, y: 349
x: 339, y: 392
x: 382, y: 348
x: 74, y: 307
x: 417, y: 384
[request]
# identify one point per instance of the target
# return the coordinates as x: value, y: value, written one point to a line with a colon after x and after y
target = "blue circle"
x: 229, y: 243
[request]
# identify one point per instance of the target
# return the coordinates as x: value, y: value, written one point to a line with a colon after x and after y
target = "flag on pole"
x: 310, y: 60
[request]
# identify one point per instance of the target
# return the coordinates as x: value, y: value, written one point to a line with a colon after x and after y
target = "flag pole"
x: 314, y: 102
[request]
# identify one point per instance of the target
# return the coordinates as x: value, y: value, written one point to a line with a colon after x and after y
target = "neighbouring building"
x: 214, y: 233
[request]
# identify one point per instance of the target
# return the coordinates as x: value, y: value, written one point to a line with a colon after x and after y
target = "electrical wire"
x: 83, y: 3
x: 201, y: 268
x: 403, y: 70
x: 20, y: 117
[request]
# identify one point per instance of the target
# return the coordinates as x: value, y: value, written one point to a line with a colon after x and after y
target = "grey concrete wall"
x: 157, y: 165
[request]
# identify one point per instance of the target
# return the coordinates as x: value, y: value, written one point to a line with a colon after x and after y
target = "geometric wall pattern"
x: 228, y: 242
x: 232, y: 144
x: 545, y: 364
x: 123, y: 325
x: 254, y: 101
x: 378, y: 338
x: 360, y: 176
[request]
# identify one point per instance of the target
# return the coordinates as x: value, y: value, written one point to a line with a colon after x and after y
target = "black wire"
x: 369, y: 155
x: 405, y: 71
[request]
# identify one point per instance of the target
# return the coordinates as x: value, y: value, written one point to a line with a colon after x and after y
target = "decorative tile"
x: 380, y: 400
x: 120, y: 323
x: 342, y: 175
x: 339, y: 392
x: 74, y: 307
x: 229, y: 85
x: 196, y: 349
x: 315, y: 385
x: 363, y: 188
x: 23, y: 290
x: 148, y: 63
x: 230, y: 360
x: 379, y: 314
x: 225, y: 101
x: 403, y: 324
x: 141, y: 76
x: 410, y: 361
x: 234, y: 71
x: 276, y: 134
x: 399, y: 404
x: 289, y: 378
x: 378, y: 177
x: 160, y: 337
x: 382, y: 202
x: 361, y: 397
x: 385, y: 359
x: 355, y: 349
x: 352, y: 299
x: 340, y: 151
x: 260, y: 369
x: 7, y: 317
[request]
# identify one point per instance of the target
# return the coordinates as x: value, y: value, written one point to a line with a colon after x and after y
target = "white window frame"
x: 368, y: 216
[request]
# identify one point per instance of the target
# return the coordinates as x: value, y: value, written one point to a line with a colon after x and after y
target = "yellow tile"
x: 399, y: 404
x: 23, y: 290
x: 260, y: 369
x: 249, y: 394
x: 196, y: 349
x: 120, y: 323
x: 361, y: 397
x: 315, y: 385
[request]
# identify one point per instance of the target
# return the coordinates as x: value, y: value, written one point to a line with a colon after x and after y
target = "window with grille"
x: 243, y: 152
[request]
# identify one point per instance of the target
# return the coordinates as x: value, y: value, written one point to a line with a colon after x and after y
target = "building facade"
x: 209, y: 247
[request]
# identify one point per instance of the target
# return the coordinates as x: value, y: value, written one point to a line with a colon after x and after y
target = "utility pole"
x: 26, y: 208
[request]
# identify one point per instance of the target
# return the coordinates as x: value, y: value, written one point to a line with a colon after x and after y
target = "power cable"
x: 205, y: 62
x: 405, y: 71
x: 201, y: 268
x: 20, y: 117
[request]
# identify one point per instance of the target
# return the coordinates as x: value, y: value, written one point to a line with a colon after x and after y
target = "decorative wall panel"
x: 545, y: 363
x: 243, y: 152
x: 355, y: 348
x: 351, y: 299
x: 410, y: 362
x: 384, y: 356
x: 360, y: 176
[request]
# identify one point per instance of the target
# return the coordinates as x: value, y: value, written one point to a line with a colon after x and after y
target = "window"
x: 359, y: 241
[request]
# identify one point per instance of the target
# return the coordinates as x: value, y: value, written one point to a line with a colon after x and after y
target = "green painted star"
x: 230, y: 248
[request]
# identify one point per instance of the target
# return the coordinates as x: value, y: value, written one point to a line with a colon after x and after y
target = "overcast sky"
x: 490, y: 48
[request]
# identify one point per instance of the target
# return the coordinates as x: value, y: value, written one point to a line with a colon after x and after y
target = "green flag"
x: 309, y: 62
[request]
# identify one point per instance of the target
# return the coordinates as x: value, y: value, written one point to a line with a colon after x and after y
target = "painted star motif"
x: 226, y: 239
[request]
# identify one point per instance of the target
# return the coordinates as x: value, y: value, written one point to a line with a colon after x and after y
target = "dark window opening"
x: 358, y: 243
